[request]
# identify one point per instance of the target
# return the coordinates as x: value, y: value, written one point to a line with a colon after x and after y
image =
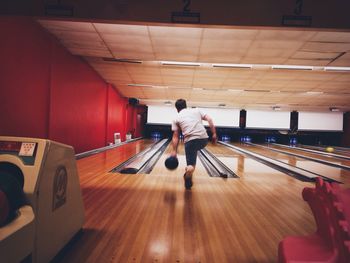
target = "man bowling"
x: 189, y: 122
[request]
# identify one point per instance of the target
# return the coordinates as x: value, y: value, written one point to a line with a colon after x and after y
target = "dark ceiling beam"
x: 281, y: 13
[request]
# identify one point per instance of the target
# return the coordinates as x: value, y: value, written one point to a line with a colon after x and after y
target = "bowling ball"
x: 171, y: 162
x: 329, y: 149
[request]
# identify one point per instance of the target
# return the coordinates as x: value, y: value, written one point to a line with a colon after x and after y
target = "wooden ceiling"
x: 136, y: 59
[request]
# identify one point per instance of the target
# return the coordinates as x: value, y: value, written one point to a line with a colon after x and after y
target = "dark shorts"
x: 191, y: 149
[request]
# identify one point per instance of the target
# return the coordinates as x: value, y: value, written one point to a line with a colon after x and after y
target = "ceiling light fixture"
x: 160, y: 87
x: 232, y: 66
x: 197, y: 88
x: 139, y: 85
x: 123, y: 60
x: 256, y: 90
x: 168, y: 103
x: 261, y: 66
x: 147, y: 86
x: 292, y: 67
x: 337, y: 68
x: 234, y: 90
x: 333, y: 109
x: 314, y: 92
x: 178, y: 63
x: 276, y: 108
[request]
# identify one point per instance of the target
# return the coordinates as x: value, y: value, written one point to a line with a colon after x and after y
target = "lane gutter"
x: 214, y: 166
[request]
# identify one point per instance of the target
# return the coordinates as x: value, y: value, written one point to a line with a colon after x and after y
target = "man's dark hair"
x: 180, y: 104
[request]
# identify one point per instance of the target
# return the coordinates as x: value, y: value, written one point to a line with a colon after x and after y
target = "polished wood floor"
x: 152, y: 218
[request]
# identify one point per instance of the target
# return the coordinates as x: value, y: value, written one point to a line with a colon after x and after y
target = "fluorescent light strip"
x: 147, y: 86
x: 292, y: 67
x: 256, y: 90
x: 123, y: 60
x: 232, y: 66
x: 314, y: 92
x: 261, y: 66
x: 337, y: 68
x: 160, y: 87
x: 334, y: 109
x: 227, y: 65
x: 235, y: 90
x: 177, y: 63
x: 140, y: 85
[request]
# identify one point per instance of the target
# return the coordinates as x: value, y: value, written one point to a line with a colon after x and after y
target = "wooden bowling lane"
x: 101, y: 163
x: 160, y: 168
x: 311, y: 154
x: 152, y: 218
x: 334, y: 173
x: 336, y: 150
x: 245, y: 166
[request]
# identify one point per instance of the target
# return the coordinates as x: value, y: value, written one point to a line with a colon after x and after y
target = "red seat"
x: 330, y: 206
x: 317, y: 247
x: 340, y: 200
x: 310, y: 248
x: 343, y: 196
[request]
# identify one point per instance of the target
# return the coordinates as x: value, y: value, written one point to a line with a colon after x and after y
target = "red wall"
x: 24, y: 79
x: 46, y: 92
x: 78, y: 102
x: 116, y: 114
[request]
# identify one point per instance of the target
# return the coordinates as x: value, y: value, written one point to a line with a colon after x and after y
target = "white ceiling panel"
x: 116, y: 40
x: 121, y: 29
x: 309, y: 62
x: 340, y: 37
x: 326, y: 47
x: 53, y: 25
x: 229, y: 34
x: 177, y: 32
x: 305, y: 55
x: 283, y: 35
x: 342, y: 61
x: 302, y: 85
x: 89, y: 52
x: 259, y: 86
x: 79, y: 36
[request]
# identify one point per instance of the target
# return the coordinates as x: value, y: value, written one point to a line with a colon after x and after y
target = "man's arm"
x: 212, y: 127
x: 175, y: 142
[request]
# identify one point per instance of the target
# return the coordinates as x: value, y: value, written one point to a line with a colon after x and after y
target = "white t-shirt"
x: 190, y: 122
